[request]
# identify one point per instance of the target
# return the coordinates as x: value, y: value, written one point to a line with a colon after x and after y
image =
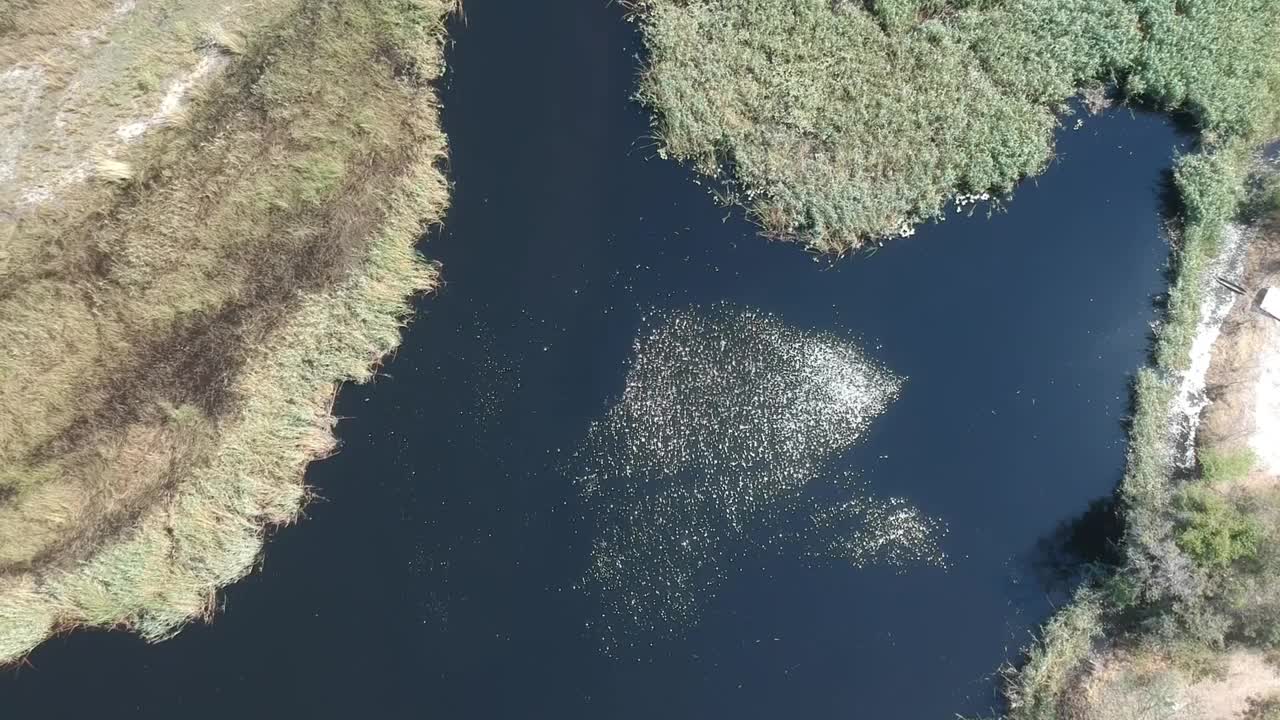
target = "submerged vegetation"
x: 839, y: 122
x: 174, y: 331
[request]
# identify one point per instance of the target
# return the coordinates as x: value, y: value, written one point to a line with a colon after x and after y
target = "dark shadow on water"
x: 1079, y: 549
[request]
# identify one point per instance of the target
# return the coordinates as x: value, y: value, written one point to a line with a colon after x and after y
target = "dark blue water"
x: 437, y: 576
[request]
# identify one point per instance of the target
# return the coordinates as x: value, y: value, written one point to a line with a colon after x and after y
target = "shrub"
x: 1215, y: 533
x: 1226, y: 466
x: 1034, y: 689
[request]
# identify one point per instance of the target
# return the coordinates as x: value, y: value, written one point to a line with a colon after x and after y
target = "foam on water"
x: 728, y: 422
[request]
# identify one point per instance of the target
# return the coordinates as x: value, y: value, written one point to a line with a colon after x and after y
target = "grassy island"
x: 839, y: 122
x: 842, y: 122
x: 189, y: 265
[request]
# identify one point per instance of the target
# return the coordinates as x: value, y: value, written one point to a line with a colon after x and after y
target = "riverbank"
x: 1207, y: 652
x: 841, y: 124
x: 1192, y: 598
x: 191, y: 267
x: 838, y: 124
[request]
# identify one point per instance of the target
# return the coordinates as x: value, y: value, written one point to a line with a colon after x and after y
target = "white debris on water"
x: 1191, y: 398
x: 168, y: 108
x: 963, y: 199
x: 727, y: 418
x: 889, y: 531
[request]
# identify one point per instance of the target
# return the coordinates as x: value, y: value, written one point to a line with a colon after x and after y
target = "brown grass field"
x: 176, y: 319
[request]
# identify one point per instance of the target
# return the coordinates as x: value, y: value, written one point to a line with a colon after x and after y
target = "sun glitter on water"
x: 727, y: 421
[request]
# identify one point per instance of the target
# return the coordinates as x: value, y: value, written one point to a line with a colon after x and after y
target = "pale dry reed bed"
x: 82, y: 79
x: 841, y: 122
x: 174, y: 339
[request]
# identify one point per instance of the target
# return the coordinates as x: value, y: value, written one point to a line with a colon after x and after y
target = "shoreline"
x: 1192, y: 434
x: 231, y: 344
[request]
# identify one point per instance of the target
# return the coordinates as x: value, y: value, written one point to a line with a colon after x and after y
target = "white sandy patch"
x: 173, y: 99
x: 1266, y: 436
x: 44, y: 192
x: 1191, y: 399
x: 20, y: 90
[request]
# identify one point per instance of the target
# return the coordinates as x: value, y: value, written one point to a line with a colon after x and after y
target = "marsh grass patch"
x: 177, y: 334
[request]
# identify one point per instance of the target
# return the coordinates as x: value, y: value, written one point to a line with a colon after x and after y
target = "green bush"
x: 1268, y: 196
x: 1142, y: 694
x: 1214, y: 58
x: 1225, y: 466
x: 1215, y: 533
x: 902, y: 15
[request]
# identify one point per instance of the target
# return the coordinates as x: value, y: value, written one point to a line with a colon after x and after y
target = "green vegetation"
x: 1067, y: 640
x: 1267, y: 199
x: 174, y: 337
x: 836, y: 121
x: 1220, y: 466
x: 1215, y: 533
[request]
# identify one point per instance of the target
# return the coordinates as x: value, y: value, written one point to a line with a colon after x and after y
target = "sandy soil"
x: 1243, y: 382
x: 1248, y: 675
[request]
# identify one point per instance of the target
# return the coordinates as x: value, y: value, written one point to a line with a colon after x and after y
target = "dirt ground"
x: 1244, y: 378
x: 1139, y: 686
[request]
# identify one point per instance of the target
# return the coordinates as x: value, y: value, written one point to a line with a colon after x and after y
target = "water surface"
x: 441, y: 575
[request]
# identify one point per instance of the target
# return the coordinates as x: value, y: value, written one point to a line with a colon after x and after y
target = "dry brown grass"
x: 175, y: 336
x: 81, y: 80
x: 1132, y: 686
x: 1154, y: 684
